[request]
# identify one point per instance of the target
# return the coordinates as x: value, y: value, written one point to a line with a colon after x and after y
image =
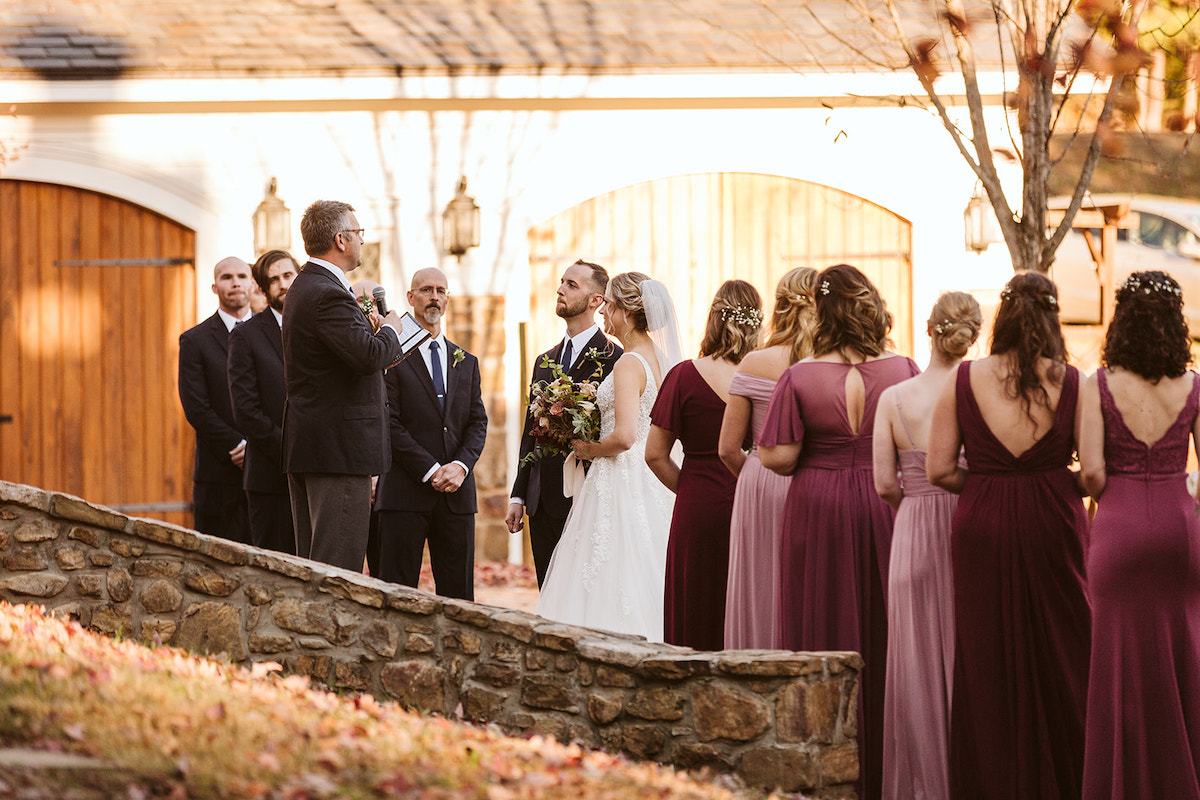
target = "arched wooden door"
x: 695, y: 231
x: 94, y: 292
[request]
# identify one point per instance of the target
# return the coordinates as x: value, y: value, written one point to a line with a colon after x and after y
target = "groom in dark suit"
x: 539, y: 485
x: 258, y: 391
x: 438, y: 424
x: 335, y: 433
x: 218, y: 501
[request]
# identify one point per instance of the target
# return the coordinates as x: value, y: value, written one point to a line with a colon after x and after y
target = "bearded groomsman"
x: 258, y: 390
x: 438, y: 425
x: 218, y: 501
x: 538, y: 488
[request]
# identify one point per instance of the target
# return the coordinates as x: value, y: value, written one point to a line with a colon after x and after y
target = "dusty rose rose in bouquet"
x: 562, y: 410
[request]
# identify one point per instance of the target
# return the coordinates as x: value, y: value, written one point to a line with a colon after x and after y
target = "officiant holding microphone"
x: 538, y: 487
x: 335, y: 431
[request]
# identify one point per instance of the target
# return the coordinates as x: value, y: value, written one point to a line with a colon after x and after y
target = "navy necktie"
x: 566, y: 356
x: 435, y: 366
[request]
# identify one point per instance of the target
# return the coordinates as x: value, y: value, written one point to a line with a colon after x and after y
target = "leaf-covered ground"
x: 188, y: 727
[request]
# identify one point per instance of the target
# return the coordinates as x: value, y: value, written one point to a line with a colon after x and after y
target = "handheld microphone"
x: 379, y: 296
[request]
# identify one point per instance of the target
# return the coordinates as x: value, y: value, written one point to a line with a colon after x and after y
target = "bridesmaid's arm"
x: 629, y: 380
x: 1089, y: 437
x: 945, y: 443
x: 781, y: 459
x: 734, y: 425
x: 658, y: 457
x: 883, y: 447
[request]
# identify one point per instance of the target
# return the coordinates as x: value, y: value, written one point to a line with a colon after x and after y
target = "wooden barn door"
x: 695, y: 231
x: 94, y: 293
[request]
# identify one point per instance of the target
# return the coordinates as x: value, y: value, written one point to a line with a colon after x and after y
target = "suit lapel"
x: 585, y: 369
x: 274, y: 335
x: 417, y: 365
x: 219, y: 333
x: 451, y: 371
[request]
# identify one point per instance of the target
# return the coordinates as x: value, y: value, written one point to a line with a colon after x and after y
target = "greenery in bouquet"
x: 563, y: 409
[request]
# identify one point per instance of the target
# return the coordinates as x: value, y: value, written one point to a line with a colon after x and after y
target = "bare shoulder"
x: 769, y: 363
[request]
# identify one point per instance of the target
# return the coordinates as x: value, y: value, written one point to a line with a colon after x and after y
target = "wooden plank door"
x: 94, y: 292
x: 694, y: 232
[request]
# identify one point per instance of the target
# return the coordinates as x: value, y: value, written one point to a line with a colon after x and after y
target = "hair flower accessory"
x: 742, y: 315
x: 458, y: 356
x: 943, y: 326
x: 1135, y: 283
x: 825, y: 286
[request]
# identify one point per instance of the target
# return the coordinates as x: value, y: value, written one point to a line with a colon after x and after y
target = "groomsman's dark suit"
x: 335, y: 419
x: 540, y: 484
x: 425, y: 433
x: 217, y: 495
x: 258, y: 391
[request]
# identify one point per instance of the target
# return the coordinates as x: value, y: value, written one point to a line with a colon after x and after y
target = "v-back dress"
x: 837, y: 532
x: 607, y: 569
x: 1143, y: 713
x: 1022, y: 616
x: 698, y: 550
x: 920, y: 666
x: 752, y: 596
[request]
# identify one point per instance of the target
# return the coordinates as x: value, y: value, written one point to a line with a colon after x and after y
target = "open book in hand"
x: 411, y: 336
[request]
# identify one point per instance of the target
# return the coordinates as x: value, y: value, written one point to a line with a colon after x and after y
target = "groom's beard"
x: 566, y: 312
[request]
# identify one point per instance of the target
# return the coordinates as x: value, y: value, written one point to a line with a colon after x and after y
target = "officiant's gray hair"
x: 321, y: 223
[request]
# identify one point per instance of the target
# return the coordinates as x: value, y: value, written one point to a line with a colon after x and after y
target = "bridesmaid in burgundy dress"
x: 689, y: 408
x: 1143, y: 709
x: 837, y: 532
x: 1017, y: 549
x: 920, y: 667
x: 752, y: 596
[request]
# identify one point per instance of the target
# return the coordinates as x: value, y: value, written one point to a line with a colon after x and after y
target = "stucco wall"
x: 776, y: 718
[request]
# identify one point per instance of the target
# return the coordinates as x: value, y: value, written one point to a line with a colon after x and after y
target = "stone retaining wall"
x: 778, y: 719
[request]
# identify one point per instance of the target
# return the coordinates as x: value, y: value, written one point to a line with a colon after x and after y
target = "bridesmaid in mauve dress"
x: 752, y: 596
x: 837, y: 532
x: 1143, y: 711
x: 690, y: 408
x: 916, y: 711
x: 1017, y: 549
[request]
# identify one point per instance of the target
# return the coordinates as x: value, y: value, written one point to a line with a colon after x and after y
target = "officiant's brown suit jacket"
x: 335, y: 419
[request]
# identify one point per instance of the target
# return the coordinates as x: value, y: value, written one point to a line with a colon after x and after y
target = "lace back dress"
x: 608, y: 569
x: 1143, y: 712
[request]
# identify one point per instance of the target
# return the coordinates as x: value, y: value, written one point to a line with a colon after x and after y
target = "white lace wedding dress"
x: 608, y: 569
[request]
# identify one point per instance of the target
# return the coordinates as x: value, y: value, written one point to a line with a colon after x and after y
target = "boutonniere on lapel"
x: 594, y: 355
x: 458, y: 355
x: 366, y: 303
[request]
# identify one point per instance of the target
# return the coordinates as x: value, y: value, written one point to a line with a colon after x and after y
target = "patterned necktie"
x: 435, y: 366
x: 566, y: 356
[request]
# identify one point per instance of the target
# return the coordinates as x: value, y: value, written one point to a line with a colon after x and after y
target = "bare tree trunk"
x: 1155, y: 92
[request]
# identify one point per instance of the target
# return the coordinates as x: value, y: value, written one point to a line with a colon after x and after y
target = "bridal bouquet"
x: 563, y: 410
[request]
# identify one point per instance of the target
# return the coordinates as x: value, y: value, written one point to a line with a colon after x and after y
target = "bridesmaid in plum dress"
x: 837, y: 532
x: 1143, y: 709
x: 916, y: 711
x: 689, y: 409
x: 1023, y: 624
x: 752, y: 596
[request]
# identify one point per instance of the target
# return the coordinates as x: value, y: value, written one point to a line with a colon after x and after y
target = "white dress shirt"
x: 443, y: 357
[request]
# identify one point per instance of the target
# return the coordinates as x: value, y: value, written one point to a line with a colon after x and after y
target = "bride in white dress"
x: 608, y: 569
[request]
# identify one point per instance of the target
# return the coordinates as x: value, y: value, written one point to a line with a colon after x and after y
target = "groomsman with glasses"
x: 538, y: 487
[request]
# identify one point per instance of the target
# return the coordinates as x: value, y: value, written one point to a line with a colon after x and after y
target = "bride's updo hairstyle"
x: 794, y: 319
x: 954, y: 324
x: 625, y: 292
x: 1148, y: 334
x: 850, y: 313
x: 734, y: 324
x: 1027, y: 329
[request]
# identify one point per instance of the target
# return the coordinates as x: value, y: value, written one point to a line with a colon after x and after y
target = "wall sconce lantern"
x: 272, y: 223
x: 980, y: 225
x: 460, y: 222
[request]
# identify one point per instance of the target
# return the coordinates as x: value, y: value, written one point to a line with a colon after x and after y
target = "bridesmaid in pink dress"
x: 1023, y: 624
x: 837, y: 533
x: 1143, y: 708
x: 916, y: 705
x: 689, y: 409
x: 752, y: 596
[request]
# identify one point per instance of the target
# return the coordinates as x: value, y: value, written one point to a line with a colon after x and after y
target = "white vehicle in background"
x: 1162, y: 234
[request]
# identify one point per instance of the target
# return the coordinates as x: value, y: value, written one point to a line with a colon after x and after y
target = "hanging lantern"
x: 460, y: 222
x: 980, y: 226
x: 272, y: 223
